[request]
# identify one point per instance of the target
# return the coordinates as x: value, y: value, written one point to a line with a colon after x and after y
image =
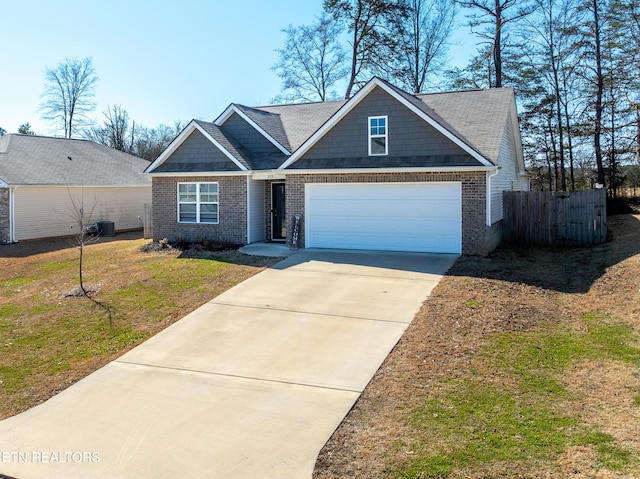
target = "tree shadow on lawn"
x: 24, y: 249
x: 566, y: 269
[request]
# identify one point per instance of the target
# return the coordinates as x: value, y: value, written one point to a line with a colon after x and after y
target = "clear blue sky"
x: 160, y: 60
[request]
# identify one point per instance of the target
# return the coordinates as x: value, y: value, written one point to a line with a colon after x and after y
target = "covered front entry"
x: 424, y: 217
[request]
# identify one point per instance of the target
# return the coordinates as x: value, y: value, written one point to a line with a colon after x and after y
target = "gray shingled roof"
x: 299, y: 121
x: 269, y: 122
x: 475, y: 117
x: 37, y: 160
x: 251, y: 162
x: 478, y: 116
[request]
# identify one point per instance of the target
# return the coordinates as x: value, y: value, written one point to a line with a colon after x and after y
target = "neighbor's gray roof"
x: 38, y: 160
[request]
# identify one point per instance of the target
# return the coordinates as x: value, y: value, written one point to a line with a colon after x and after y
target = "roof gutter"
x: 76, y: 185
x: 12, y: 214
x: 181, y: 174
x: 282, y: 174
x: 488, y: 193
x: 426, y: 169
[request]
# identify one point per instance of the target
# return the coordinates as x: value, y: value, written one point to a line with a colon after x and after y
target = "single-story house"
x: 41, y: 178
x: 384, y: 170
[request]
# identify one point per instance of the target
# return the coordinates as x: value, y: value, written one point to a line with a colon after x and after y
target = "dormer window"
x: 377, y: 135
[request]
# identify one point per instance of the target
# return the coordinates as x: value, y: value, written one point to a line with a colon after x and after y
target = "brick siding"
x: 4, y: 215
x: 232, y: 210
x: 477, y: 237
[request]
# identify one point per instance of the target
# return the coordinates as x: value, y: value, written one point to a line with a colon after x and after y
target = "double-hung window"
x: 198, y: 203
x: 378, y: 135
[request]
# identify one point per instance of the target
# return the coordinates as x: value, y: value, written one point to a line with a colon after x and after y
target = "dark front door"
x: 278, y: 220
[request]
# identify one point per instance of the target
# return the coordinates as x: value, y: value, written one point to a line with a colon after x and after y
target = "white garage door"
x: 423, y: 217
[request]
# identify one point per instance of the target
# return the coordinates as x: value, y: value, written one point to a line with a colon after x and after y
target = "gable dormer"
x: 381, y: 132
x: 251, y: 139
x: 258, y: 131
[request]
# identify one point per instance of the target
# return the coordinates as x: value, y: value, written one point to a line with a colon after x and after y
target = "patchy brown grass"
x: 476, y: 339
x: 49, y: 340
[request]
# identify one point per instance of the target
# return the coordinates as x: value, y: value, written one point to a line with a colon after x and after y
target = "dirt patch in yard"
x: 515, y: 294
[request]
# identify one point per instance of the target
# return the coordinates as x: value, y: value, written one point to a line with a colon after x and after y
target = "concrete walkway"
x: 250, y: 385
x: 278, y: 250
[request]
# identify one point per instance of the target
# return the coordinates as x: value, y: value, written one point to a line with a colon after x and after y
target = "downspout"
x: 12, y: 213
x: 488, y: 202
x: 249, y: 212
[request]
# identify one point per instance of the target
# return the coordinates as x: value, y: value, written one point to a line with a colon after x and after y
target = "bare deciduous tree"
x: 121, y: 132
x: 82, y: 219
x: 423, y: 38
x: 311, y: 62
x: 150, y: 142
x: 69, y: 93
x: 117, y: 131
x: 368, y: 22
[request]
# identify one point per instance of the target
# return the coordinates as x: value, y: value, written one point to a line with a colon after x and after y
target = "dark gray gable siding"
x: 411, y: 141
x: 248, y: 136
x: 197, y: 153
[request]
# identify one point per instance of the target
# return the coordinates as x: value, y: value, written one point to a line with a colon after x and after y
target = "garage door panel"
x: 373, y: 241
x: 389, y: 208
x: 396, y: 225
x: 400, y: 217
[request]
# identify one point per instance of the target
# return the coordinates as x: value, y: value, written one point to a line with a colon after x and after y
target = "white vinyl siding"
x: 47, y: 211
x: 508, y: 177
x: 198, y: 203
x: 257, y: 229
x: 424, y: 217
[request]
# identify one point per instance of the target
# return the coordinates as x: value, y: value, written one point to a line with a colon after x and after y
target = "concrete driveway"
x: 252, y: 384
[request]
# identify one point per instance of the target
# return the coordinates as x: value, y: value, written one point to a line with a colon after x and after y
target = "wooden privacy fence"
x: 147, y: 226
x: 556, y: 218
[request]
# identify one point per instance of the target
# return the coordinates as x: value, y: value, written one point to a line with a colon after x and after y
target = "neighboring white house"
x: 41, y: 178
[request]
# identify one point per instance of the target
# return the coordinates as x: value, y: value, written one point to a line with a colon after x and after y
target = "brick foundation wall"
x: 4, y: 215
x: 232, y: 209
x: 477, y: 237
x: 493, y: 236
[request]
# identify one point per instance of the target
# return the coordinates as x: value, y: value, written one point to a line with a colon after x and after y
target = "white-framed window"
x: 378, y: 129
x: 198, y: 203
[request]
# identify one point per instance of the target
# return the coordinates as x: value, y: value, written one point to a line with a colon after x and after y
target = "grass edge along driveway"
x: 49, y: 340
x: 523, y: 364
